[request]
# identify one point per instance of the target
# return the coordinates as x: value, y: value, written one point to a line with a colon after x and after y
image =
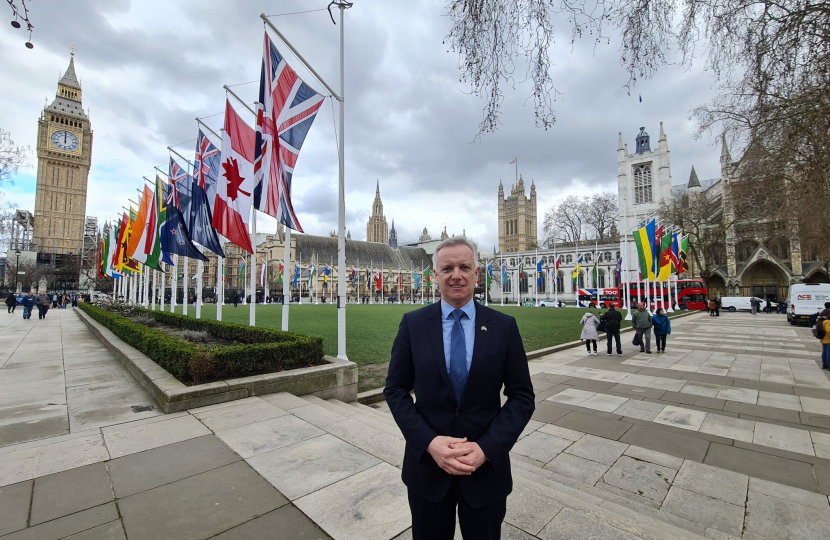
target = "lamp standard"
x: 17, y: 267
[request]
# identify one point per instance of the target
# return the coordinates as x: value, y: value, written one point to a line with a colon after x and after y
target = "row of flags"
x: 252, y: 167
x: 660, y: 252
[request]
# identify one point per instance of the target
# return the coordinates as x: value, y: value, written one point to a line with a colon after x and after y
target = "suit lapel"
x: 436, y: 341
x: 479, y: 346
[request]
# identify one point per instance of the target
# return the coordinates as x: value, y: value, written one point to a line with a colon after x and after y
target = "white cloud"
x: 149, y: 68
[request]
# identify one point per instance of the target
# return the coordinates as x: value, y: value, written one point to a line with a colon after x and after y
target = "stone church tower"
x: 376, y: 228
x: 64, y: 152
x: 517, y: 218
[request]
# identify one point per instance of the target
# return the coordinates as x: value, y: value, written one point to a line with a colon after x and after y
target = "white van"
x: 806, y: 299
x: 741, y: 303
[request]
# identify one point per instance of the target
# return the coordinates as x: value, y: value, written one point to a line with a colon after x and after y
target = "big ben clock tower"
x: 64, y: 152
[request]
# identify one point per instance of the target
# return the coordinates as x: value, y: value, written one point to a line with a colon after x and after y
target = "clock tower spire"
x: 64, y: 152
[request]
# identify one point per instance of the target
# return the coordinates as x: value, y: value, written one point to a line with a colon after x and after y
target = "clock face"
x: 65, y: 140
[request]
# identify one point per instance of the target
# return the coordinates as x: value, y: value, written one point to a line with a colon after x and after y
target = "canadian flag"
x: 232, y: 207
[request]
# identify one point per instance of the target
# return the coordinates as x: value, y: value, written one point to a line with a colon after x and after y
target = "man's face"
x: 641, y: 306
x: 456, y: 272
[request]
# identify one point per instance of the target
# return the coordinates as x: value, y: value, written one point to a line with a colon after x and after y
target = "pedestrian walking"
x: 717, y: 307
x: 753, y: 304
x: 235, y: 300
x: 662, y: 328
x: 826, y: 311
x: 612, y: 319
x: 712, y: 306
x: 74, y: 300
x: 42, y: 301
x: 825, y: 344
x: 11, y: 302
x: 642, y: 326
x: 589, y: 335
x: 28, y: 303
x: 709, y: 306
x: 54, y: 300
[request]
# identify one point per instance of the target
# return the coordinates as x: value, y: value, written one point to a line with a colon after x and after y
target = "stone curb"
x: 336, y: 379
x: 376, y: 394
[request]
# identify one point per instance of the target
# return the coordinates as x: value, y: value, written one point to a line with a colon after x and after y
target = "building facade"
x: 757, y: 257
x: 517, y: 218
x: 64, y: 153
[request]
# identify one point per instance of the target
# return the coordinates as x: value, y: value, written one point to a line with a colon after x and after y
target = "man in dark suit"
x: 457, y: 356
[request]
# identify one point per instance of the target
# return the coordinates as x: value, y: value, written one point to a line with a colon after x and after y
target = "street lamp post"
x: 17, y: 268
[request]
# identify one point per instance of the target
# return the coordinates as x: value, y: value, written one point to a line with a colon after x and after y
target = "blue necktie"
x: 458, y: 355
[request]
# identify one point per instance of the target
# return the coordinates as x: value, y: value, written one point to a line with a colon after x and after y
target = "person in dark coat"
x: 613, y: 320
x: 458, y: 356
x: 11, y: 302
x: 662, y: 328
x: 28, y: 303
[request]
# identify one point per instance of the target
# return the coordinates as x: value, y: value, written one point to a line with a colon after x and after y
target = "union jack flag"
x: 205, y: 169
x: 180, y: 181
x: 286, y: 109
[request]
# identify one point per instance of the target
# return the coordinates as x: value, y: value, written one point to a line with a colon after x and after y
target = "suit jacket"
x: 418, y: 364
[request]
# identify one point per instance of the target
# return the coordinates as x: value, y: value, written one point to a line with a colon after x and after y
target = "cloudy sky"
x: 149, y: 67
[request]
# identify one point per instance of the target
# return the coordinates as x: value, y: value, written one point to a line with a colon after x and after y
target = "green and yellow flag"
x: 644, y: 240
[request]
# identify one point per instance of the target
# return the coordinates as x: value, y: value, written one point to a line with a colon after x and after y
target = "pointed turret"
x: 393, y: 237
x: 620, y: 142
x: 444, y: 234
x: 532, y: 189
x: 69, y: 78
x: 693, y: 180
x: 662, y: 133
x: 725, y: 158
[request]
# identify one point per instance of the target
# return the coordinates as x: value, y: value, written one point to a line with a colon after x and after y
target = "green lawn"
x: 371, y: 329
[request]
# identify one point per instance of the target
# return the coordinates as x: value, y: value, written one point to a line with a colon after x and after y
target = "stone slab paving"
x: 308, y: 468
x: 714, y: 454
x: 56, y: 378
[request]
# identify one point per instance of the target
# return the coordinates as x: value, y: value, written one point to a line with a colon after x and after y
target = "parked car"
x: 550, y: 303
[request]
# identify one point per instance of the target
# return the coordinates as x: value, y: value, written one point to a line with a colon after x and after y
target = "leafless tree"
x: 565, y: 222
x: 701, y: 216
x: 601, y: 213
x: 12, y: 157
x: 577, y: 219
x: 760, y: 53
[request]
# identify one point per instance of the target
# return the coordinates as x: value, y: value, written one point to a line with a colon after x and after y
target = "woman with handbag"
x: 590, y: 335
x: 43, y: 304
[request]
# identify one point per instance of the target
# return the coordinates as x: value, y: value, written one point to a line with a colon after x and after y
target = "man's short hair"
x: 827, y: 305
x: 454, y: 241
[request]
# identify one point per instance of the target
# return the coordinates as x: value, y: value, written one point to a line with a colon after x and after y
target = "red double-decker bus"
x: 691, y: 294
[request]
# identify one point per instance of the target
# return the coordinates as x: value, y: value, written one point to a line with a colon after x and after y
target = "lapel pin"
x: 483, y: 328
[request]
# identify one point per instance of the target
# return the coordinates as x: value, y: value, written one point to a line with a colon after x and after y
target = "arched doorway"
x: 764, y: 280
x: 818, y: 276
x: 716, y: 286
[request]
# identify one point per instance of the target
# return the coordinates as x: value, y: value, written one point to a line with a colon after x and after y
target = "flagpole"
x: 358, y: 280
x: 264, y: 274
x: 286, y: 298
x: 185, y: 287
x: 173, y: 283
x: 538, y: 276
x: 252, y: 312
x: 518, y: 286
x: 200, y: 268
x: 382, y: 300
x: 316, y: 297
x: 299, y: 275
x: 155, y: 291
x: 220, y: 282
x: 163, y: 288
x: 341, y: 200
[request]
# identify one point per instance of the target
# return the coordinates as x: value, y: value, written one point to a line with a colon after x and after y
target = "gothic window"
x: 642, y: 184
x: 607, y: 256
x: 719, y: 255
x: 744, y: 251
x: 581, y: 280
x: 541, y: 283
x: 618, y: 256
x: 560, y: 281
x: 523, y: 284
x: 568, y: 259
x: 588, y: 257
x: 601, y: 279
x: 810, y: 252
x: 780, y: 250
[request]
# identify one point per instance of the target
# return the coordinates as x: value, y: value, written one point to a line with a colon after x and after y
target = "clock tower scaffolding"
x: 64, y: 152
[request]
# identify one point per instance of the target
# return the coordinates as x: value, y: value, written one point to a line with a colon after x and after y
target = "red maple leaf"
x: 234, y: 179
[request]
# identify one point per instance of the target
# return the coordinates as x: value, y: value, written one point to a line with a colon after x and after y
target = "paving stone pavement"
x: 596, y: 464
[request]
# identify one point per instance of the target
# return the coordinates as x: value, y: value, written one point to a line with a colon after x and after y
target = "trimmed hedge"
x: 261, y: 350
